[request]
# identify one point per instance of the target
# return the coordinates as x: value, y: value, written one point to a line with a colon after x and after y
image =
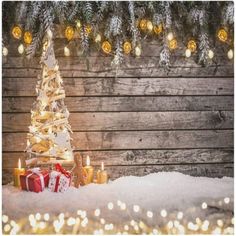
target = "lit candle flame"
x: 19, y: 163
x: 88, y: 161
x: 102, y: 166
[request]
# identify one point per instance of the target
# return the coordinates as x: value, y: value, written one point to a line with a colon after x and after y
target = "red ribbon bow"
x: 59, y: 168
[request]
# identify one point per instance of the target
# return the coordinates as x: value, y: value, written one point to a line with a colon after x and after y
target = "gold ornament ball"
x: 127, y: 47
x: 170, y: 36
x: 88, y: 29
x: 98, y: 38
x: 230, y: 54
x: 21, y: 49
x: 27, y: 37
x: 222, y: 35
x: 192, y: 45
x: 138, y: 51
x: 149, y: 26
x: 158, y: 29
x: 143, y: 24
x: 69, y: 32
x: 4, y: 51
x: 188, y: 53
x: 16, y: 32
x: 172, y: 44
x: 106, y: 47
x: 210, y: 54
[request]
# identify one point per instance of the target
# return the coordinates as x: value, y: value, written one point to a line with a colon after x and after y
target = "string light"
x: 110, y: 205
x: 136, y: 208
x: 4, y: 51
x: 66, y: 51
x: 188, y: 52
x: 170, y: 36
x: 78, y: 24
x: 21, y: 49
x: 204, y: 205
x: 230, y: 54
x: 149, y: 26
x: 210, y: 54
x: 163, y: 213
x: 98, y: 38
x: 138, y: 51
x: 226, y: 200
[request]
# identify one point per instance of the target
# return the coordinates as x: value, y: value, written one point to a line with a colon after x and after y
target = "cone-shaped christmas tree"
x: 49, y: 132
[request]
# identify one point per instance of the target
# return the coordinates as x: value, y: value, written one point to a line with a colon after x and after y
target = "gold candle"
x: 89, y: 170
x: 17, y: 172
x: 102, y: 176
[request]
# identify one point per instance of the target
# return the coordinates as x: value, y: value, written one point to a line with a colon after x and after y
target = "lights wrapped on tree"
x: 106, y: 47
x: 127, y: 47
x: 16, y: 32
x: 27, y: 37
x: 69, y: 32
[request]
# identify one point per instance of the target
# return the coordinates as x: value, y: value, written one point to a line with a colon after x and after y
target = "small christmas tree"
x: 49, y: 132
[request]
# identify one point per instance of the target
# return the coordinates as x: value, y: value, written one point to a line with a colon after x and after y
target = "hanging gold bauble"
x: 149, y: 26
x: 172, y: 44
x: 143, y: 24
x: 27, y: 37
x: 88, y: 29
x: 192, y: 45
x: 158, y: 28
x: 106, y: 47
x: 69, y: 33
x: 222, y: 35
x: 16, y: 32
x: 127, y: 47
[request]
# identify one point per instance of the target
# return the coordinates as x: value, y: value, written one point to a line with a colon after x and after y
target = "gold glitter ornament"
x: 222, y: 35
x: 158, y: 29
x: 172, y: 44
x: 143, y: 24
x: 27, y: 37
x: 16, y: 32
x: 69, y: 32
x: 192, y: 45
x: 106, y: 47
x: 127, y: 47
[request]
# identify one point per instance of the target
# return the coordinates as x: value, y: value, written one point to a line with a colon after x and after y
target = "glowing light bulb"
x: 46, y: 216
x: 136, y: 208
x: 126, y: 227
x: 230, y: 54
x: 98, y: 38
x: 66, y: 51
x: 97, y: 212
x: 204, y: 205
x: 87, y: 161
x: 163, y: 213
x: 170, y: 225
x: 226, y: 200
x: 138, y: 51
x: 180, y: 215
x: 4, y: 51
x: 110, y: 205
x: 188, y: 53
x: 210, y: 54
x: 149, y: 214
x: 38, y: 216
x: 123, y: 206
x: 5, y: 218
x: 170, y: 36
x: 21, y: 49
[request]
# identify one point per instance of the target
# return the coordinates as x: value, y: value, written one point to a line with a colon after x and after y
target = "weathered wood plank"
x: 15, y: 122
x: 126, y: 86
x: 135, y: 140
x: 208, y: 170
x: 130, y: 104
x: 141, y: 157
x: 133, y: 67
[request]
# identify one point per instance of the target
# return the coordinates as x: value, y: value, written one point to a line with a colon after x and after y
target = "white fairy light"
x: 21, y: 49
x: 71, y: 221
x: 66, y: 51
x: 136, y: 208
x: 220, y: 223
x: 38, y: 216
x: 230, y: 54
x: 132, y: 222
x: 5, y: 218
x: 7, y: 228
x: 4, y: 51
x: 232, y: 221
x: 155, y: 231
x: 83, y: 214
x: 188, y: 52
x: 123, y: 206
x: 119, y: 203
x: 163, y: 213
x: 138, y: 51
x: 136, y: 228
x: 98, y: 38
x: 180, y: 215
x: 226, y: 200
x: 210, y: 54
x: 176, y: 223
x: 110, y: 205
x: 42, y: 225
x: 204, y: 205
x: 170, y: 224
x: 97, y: 212
x: 149, y: 214
x: 170, y: 36
x: 102, y: 221
x: 216, y: 231
x: 205, y: 225
x: 126, y: 227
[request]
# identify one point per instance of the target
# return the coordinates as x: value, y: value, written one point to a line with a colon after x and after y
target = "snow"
x: 165, y: 190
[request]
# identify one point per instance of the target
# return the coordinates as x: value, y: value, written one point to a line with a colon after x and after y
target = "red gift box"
x: 34, y: 180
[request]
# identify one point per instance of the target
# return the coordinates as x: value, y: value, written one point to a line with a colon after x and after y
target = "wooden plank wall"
x: 139, y: 119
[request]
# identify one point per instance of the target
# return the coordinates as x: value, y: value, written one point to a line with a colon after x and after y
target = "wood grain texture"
x: 129, y: 104
x: 208, y: 170
x: 103, y: 121
x: 135, y: 140
x: 141, y: 157
x: 126, y: 86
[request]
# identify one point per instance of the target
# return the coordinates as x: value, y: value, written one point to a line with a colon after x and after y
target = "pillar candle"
x: 102, y: 176
x: 89, y: 170
x: 17, y: 172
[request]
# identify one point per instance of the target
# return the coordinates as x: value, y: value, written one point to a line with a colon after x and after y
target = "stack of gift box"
x: 56, y: 180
